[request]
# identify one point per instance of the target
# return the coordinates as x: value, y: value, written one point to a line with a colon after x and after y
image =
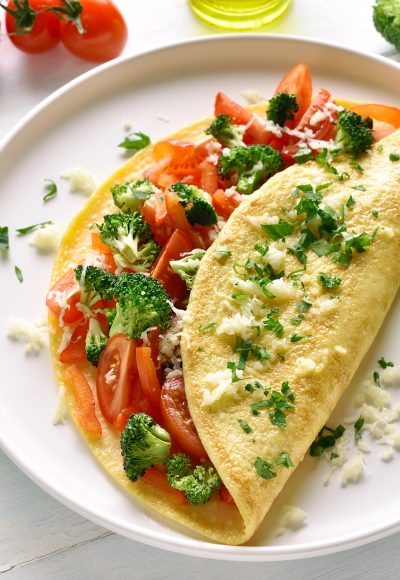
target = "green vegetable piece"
x: 18, y: 274
x: 394, y: 156
x: 4, y: 239
x: 278, y: 231
x: 245, y: 426
x: 51, y: 190
x: 358, y: 426
x: 386, y: 16
x: 197, y: 204
x: 264, y: 468
x: 329, y: 281
x: 284, y: 459
x: 95, y: 341
x: 30, y: 229
x: 228, y: 134
x: 326, y: 438
x: 198, y: 483
x: 135, y: 141
x: 353, y: 133
x: 281, y: 108
x: 131, y: 195
x: 384, y: 363
x: 187, y: 267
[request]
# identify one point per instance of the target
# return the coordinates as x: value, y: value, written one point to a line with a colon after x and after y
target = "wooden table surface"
x: 39, y: 537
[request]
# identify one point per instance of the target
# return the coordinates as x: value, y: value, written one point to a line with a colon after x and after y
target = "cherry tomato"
x: 105, y: 32
x: 177, y: 419
x: 225, y: 202
x: 116, y: 377
x: 148, y: 375
x: 297, y: 82
x: 45, y: 27
x: 85, y: 410
x: 178, y: 244
x: 65, y: 291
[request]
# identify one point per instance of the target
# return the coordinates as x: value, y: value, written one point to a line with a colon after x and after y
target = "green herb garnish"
x: 209, y: 326
x: 394, y: 156
x: 264, y: 468
x: 222, y: 252
x: 245, y: 426
x: 30, y: 229
x: 385, y: 363
x: 278, y: 231
x: 284, y: 459
x: 135, y: 141
x: 324, y: 441
x: 358, y: 425
x: 4, y: 239
x: 328, y: 281
x: 18, y: 274
x: 51, y: 190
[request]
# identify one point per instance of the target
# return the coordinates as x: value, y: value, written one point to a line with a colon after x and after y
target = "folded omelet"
x: 254, y: 444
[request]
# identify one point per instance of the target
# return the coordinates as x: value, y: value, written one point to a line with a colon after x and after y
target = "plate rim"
x: 160, y: 539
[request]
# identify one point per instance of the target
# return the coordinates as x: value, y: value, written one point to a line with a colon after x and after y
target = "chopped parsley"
x: 51, y: 190
x: 30, y: 229
x: 278, y: 231
x: 358, y: 425
x: 304, y: 305
x: 322, y: 248
x: 278, y: 402
x: 359, y: 187
x: 394, y: 156
x: 234, y: 368
x: 245, y: 426
x: 264, y: 468
x: 251, y: 387
x: 135, y: 141
x: 350, y: 203
x: 284, y: 459
x: 239, y: 296
x: 326, y: 438
x: 375, y: 213
x: 209, y: 326
x: 377, y: 379
x: 4, y: 239
x: 328, y: 281
x: 274, y: 325
x: 298, y: 337
x: 222, y: 252
x: 356, y: 165
x: 379, y: 148
x: 18, y: 274
x: 303, y: 155
x: 323, y: 160
x: 385, y: 363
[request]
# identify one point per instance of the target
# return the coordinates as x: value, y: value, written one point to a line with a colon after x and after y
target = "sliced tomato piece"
x: 324, y: 129
x: 226, y: 106
x: 384, y: 113
x: 178, y: 244
x: 65, y: 291
x: 177, y: 419
x: 225, y: 202
x: 381, y: 130
x: 155, y: 213
x: 225, y: 496
x: 116, y: 376
x: 141, y: 406
x: 154, y: 171
x: 157, y: 478
x: 209, y: 177
x: 177, y: 149
x: 75, y: 352
x: 98, y: 245
x: 297, y: 82
x: 148, y: 375
x: 166, y: 180
x: 85, y: 410
x: 176, y: 212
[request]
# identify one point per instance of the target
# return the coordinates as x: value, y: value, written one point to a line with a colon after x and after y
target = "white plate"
x: 81, y: 125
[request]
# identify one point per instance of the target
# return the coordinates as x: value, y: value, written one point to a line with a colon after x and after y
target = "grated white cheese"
x: 80, y: 181
x: 324, y: 306
x: 33, y: 333
x: 276, y: 257
x: 253, y: 96
x: 283, y: 290
x: 110, y: 376
x: 291, y: 517
x: 47, y: 238
x: 390, y: 376
x: 65, y: 338
x: 238, y: 324
x: 305, y: 366
x: 60, y: 411
x: 352, y: 470
x: 218, y: 384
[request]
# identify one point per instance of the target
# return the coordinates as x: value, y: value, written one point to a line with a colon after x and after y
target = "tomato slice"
x: 325, y: 129
x: 297, y: 82
x: 176, y: 212
x: 75, y: 352
x: 225, y: 202
x: 209, y: 177
x: 155, y: 213
x: 178, y: 244
x: 85, y: 410
x: 255, y: 132
x: 177, y: 149
x: 157, y: 478
x: 177, y: 419
x: 148, y: 375
x: 98, y: 245
x: 116, y: 376
x: 65, y: 291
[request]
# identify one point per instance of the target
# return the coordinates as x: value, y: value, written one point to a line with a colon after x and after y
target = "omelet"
x: 308, y: 363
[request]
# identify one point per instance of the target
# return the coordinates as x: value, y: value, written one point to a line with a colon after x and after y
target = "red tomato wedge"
x: 178, y: 244
x: 116, y: 377
x: 176, y: 212
x: 255, y: 132
x: 225, y: 202
x: 177, y: 419
x: 209, y: 177
x: 157, y: 478
x: 155, y: 213
x: 85, y: 410
x: 325, y: 129
x: 297, y: 82
x: 65, y: 290
x: 177, y: 149
x: 384, y: 113
x: 148, y: 375
x: 225, y: 496
x: 75, y: 352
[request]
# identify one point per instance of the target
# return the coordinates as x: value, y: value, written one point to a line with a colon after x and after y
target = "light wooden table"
x: 40, y: 538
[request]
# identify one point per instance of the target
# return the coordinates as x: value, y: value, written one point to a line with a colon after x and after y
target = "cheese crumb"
x: 34, y: 333
x: 291, y: 517
x: 283, y: 290
x: 80, y: 181
x: 60, y: 411
x: 218, y: 384
x: 352, y: 470
x: 390, y: 376
x: 305, y: 366
x: 340, y: 349
x: 47, y: 238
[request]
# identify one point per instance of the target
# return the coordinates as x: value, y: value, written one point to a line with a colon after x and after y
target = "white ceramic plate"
x: 81, y: 125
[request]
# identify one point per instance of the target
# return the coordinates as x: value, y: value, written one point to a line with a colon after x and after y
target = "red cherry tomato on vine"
x: 105, y: 33
x: 44, y: 33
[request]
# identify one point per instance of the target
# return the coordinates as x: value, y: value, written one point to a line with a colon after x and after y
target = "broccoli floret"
x: 110, y: 314
x: 198, y: 483
x: 95, y: 342
x: 96, y: 284
x: 187, y: 266
x: 130, y: 239
x: 143, y: 444
x: 142, y: 302
x: 224, y: 131
x: 386, y: 17
x: 250, y: 166
x: 353, y: 133
x: 197, y: 204
x: 130, y: 196
x: 281, y: 108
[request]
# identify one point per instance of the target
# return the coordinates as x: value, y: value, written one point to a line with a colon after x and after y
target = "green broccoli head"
x: 225, y: 131
x: 250, y: 166
x: 143, y: 444
x: 130, y: 239
x: 96, y: 284
x: 95, y: 341
x: 187, y: 266
x: 197, y: 204
x: 198, y: 483
x: 131, y: 195
x: 281, y: 108
x: 142, y: 302
x: 353, y: 133
x: 386, y: 17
